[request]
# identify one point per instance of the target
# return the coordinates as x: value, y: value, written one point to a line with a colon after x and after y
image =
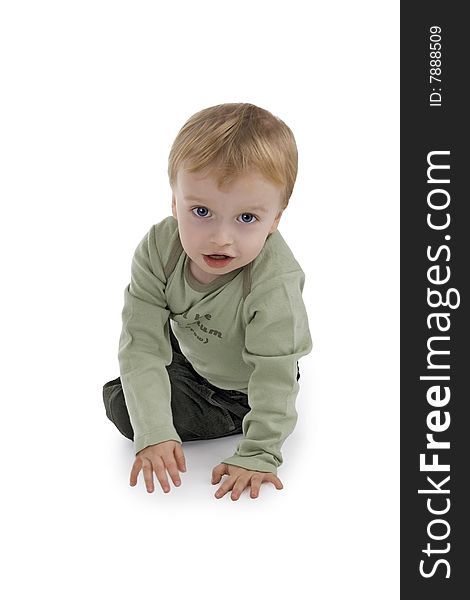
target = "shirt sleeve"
x: 276, y: 336
x: 145, y: 349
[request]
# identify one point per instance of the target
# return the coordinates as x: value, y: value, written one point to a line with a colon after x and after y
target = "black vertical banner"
x: 434, y: 306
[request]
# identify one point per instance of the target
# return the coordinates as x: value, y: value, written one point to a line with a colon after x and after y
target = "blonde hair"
x: 230, y: 139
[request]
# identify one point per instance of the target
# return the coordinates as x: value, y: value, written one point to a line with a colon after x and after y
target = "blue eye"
x: 200, y: 211
x: 247, y: 218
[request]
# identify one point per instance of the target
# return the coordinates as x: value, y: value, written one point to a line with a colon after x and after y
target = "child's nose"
x: 222, y: 236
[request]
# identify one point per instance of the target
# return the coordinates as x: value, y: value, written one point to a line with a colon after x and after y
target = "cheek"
x: 189, y: 230
x: 254, y: 244
x: 184, y: 220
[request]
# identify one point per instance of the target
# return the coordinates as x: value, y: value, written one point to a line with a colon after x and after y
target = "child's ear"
x: 276, y: 221
x: 173, y: 207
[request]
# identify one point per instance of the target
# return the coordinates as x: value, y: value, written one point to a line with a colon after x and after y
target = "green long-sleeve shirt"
x: 248, y: 344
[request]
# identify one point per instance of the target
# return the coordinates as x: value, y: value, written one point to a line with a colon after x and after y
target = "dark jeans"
x: 200, y: 410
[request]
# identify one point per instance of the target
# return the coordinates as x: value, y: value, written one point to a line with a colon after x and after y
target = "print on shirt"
x: 198, y: 322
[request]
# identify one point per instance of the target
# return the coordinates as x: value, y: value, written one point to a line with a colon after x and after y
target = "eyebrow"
x: 254, y: 208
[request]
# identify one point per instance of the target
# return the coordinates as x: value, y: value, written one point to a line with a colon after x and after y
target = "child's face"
x: 234, y: 222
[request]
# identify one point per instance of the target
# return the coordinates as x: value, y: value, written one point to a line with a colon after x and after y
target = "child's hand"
x: 240, y: 478
x: 159, y: 458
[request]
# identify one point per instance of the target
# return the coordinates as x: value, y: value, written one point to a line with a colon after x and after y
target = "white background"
x: 93, y: 94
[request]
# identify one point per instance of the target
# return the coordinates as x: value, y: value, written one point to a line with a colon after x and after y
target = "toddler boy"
x: 213, y: 317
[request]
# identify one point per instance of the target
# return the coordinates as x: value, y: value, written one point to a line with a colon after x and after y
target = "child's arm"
x: 145, y: 350
x: 276, y: 336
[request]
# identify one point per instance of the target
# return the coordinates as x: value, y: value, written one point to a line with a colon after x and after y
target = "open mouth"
x: 217, y: 260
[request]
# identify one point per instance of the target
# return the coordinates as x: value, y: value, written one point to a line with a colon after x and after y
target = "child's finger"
x: 135, y: 471
x: 148, y: 474
x: 180, y: 459
x: 275, y: 480
x: 217, y: 473
x: 172, y: 469
x: 255, y: 486
x: 225, y: 487
x: 160, y: 472
x: 240, y: 484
